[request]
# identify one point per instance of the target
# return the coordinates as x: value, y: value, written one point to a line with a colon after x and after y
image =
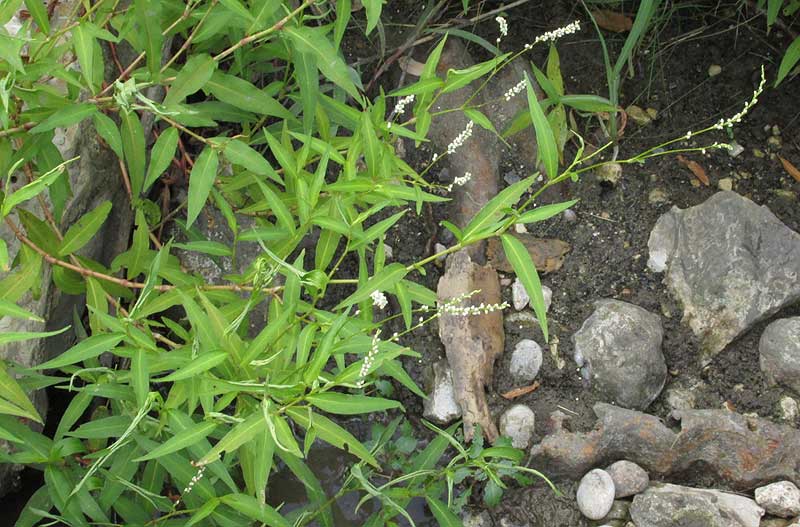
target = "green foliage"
x: 180, y: 414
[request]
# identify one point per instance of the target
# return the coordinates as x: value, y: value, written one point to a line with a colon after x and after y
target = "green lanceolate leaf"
x: 790, y: 58
x: 494, y: 209
x: 181, y: 440
x: 250, y: 507
x: 242, y: 94
x: 241, y: 433
x: 545, y: 212
x: 67, y: 116
x: 4, y: 256
x: 382, y: 281
x: 148, y: 18
x: 444, y: 516
x: 10, y: 309
x: 13, y: 393
x: 83, y: 44
x: 108, y: 130
x: 373, y: 9
x: 240, y: 153
x: 15, y: 336
x: 331, y: 433
x: 329, y: 62
x: 34, y: 188
x: 279, y: 209
x: 523, y: 266
x: 84, y: 229
x: 193, y: 76
x: 350, y: 404
x: 39, y: 14
x: 201, y: 180
x: 204, y: 362
x: 133, y: 147
x: 86, y: 349
x: 161, y: 156
x: 544, y: 134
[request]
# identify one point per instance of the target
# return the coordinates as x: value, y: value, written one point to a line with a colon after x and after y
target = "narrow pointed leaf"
x: 161, y: 156
x: 382, y: 281
x: 183, y: 439
x: 544, y: 134
x: 350, y: 404
x: 201, y: 180
x: 523, y: 266
x: 86, y: 349
x: 84, y: 229
x: 193, y: 76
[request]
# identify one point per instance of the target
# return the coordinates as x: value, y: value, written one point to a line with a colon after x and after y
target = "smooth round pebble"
x: 526, y: 360
x: 595, y: 494
x: 628, y: 477
x: 779, y: 499
x: 518, y: 423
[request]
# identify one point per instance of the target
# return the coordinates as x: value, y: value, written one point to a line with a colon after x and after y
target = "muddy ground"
x: 609, y: 237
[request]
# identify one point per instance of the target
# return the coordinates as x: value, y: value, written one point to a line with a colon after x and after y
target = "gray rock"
x: 730, y: 263
x: 673, y: 505
x: 441, y: 406
x: 619, y: 350
x: 680, y: 398
x: 595, y: 494
x: 780, y: 499
x: 779, y: 350
x: 620, y: 511
x: 476, y: 519
x: 526, y: 360
x: 629, y: 478
x: 775, y: 522
x: 93, y: 179
x: 518, y: 423
x: 519, y: 296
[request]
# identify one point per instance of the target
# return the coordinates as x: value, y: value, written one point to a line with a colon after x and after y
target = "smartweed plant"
x: 179, y: 414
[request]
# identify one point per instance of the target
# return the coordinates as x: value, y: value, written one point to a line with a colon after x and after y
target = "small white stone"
x: 518, y: 423
x: 789, y: 409
x: 570, y: 216
x: 736, y: 149
x: 595, y: 495
x: 779, y: 499
x: 388, y: 251
x: 714, y: 70
x: 519, y: 228
x: 725, y: 184
x: 438, y: 248
x: 519, y: 295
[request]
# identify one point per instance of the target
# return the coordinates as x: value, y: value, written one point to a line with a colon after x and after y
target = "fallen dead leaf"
x: 411, y: 66
x: 790, y: 168
x: 519, y: 392
x: 611, y: 21
x: 698, y: 171
x: 547, y: 253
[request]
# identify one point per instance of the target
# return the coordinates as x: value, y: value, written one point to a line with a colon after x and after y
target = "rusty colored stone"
x: 547, y: 253
x: 742, y: 452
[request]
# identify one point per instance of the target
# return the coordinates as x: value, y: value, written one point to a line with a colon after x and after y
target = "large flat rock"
x: 730, y: 262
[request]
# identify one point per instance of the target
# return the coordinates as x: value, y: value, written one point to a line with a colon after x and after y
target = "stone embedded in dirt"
x: 629, y: 478
x: 519, y: 295
x: 638, y: 115
x: 742, y: 452
x: 735, y: 149
x: 472, y: 343
x: 670, y: 505
x: 789, y: 409
x: 476, y: 519
x: 730, y: 263
x: 518, y: 423
x: 779, y: 350
x: 441, y: 406
x: 679, y: 398
x: 595, y: 494
x: 714, y: 70
x: 609, y: 173
x: 619, y: 350
x: 780, y: 499
x: 526, y: 361
x: 657, y: 196
x: 725, y: 184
